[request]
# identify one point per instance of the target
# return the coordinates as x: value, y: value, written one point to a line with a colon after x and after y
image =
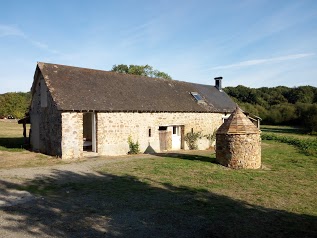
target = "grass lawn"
x: 12, y: 153
x: 269, y: 187
x: 179, y: 195
x: 11, y: 137
x: 287, y: 131
x: 192, y: 196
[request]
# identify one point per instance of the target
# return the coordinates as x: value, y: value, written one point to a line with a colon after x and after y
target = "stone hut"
x: 78, y: 112
x: 238, y: 142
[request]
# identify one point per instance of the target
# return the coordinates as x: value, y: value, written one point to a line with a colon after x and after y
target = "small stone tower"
x: 238, y: 142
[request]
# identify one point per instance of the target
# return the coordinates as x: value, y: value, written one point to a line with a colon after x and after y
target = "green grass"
x: 297, y: 137
x: 192, y: 192
x: 11, y: 136
x: 13, y: 152
x: 268, y: 187
x: 292, y: 131
x: 278, y: 200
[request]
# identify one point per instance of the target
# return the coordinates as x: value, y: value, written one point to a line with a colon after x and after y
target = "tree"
x: 15, y: 104
x: 279, y: 105
x: 143, y: 70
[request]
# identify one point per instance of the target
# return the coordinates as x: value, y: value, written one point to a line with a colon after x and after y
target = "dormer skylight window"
x: 198, y: 98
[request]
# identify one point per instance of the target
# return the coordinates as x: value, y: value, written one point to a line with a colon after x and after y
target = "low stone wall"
x: 239, y: 150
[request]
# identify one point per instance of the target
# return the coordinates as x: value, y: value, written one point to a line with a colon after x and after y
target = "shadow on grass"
x: 105, y: 205
x: 204, y: 158
x: 13, y: 143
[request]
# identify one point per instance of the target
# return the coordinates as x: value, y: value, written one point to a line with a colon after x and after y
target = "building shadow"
x: 13, y: 142
x: 104, y: 205
x: 209, y: 158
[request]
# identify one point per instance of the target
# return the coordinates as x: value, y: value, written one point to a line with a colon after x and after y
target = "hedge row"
x: 307, y: 146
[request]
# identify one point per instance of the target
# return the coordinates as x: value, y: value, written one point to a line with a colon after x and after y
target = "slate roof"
x: 82, y: 89
x: 238, y: 123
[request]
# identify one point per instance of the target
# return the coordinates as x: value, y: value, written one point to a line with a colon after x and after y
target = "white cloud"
x: 262, y: 61
x: 7, y: 30
x: 11, y: 30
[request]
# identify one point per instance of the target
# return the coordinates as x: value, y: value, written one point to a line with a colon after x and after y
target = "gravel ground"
x: 85, y: 212
x: 73, y: 215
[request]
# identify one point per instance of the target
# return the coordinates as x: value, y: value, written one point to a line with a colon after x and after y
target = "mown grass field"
x: 197, y: 196
x: 12, y: 151
x: 186, y: 195
x: 11, y: 137
x: 297, y: 132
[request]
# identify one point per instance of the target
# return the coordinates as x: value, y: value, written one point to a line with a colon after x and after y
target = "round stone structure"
x: 238, y: 142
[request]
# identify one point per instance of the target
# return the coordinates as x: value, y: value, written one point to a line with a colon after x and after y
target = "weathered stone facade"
x: 61, y: 134
x: 238, y: 142
x: 67, y: 120
x: 46, y: 121
x: 113, y: 129
x: 239, y: 151
x: 72, y: 135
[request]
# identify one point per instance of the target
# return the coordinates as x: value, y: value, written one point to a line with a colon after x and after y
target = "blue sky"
x: 252, y: 43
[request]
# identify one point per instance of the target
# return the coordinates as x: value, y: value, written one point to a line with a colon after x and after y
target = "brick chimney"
x: 218, y: 83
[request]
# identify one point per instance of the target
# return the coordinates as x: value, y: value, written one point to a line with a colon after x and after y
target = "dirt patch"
x: 11, y: 197
x: 26, y: 158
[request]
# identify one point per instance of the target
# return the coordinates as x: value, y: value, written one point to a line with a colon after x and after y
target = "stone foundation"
x: 239, y: 150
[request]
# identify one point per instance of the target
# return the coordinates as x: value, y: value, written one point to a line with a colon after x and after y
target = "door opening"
x: 176, y: 138
x: 89, y: 132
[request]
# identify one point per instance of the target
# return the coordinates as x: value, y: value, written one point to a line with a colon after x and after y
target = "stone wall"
x: 113, y: 129
x: 61, y: 134
x: 46, y: 133
x: 239, y: 150
x: 72, y: 132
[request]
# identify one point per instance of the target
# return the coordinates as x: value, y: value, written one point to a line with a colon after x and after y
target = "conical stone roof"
x: 238, y: 123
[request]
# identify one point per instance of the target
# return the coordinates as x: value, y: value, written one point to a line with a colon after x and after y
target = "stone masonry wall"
x: 72, y: 132
x: 113, y: 129
x: 48, y: 121
x: 239, y: 150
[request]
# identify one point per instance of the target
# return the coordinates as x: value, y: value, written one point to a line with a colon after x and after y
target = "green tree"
x: 15, y: 104
x: 279, y: 105
x: 143, y: 70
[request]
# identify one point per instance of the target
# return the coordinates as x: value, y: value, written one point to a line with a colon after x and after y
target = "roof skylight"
x: 197, y: 96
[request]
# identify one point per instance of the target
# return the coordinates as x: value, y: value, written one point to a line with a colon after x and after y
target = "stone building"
x: 238, y: 142
x: 78, y: 110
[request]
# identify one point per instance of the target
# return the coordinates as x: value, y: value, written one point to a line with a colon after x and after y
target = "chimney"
x: 218, y: 83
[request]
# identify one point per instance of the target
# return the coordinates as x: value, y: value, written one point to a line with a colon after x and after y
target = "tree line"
x: 279, y: 105
x: 15, y: 104
x: 276, y: 106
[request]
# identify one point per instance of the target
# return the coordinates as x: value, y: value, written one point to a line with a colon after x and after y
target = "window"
x: 197, y: 96
x: 150, y: 132
x: 162, y: 128
x: 176, y: 130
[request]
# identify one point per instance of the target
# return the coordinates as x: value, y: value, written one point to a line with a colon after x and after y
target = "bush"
x: 211, y: 138
x: 133, y: 146
x: 191, y: 139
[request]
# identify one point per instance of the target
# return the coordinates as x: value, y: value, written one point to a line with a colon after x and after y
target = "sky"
x: 255, y: 43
